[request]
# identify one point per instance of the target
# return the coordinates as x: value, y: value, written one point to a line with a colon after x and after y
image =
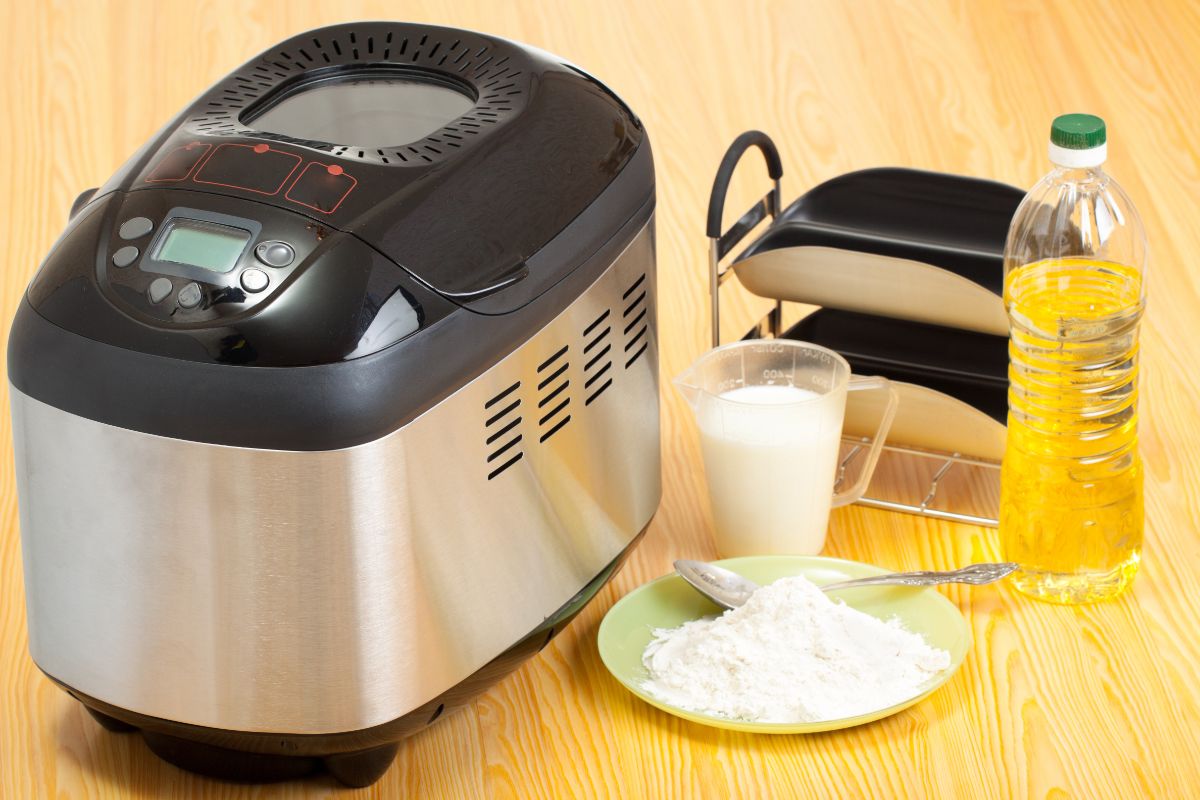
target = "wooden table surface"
x: 1100, y: 701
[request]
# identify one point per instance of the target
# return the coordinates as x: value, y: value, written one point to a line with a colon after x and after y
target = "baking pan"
x: 952, y: 383
x: 894, y: 242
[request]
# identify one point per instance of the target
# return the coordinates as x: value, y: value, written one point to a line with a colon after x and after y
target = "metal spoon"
x: 730, y: 590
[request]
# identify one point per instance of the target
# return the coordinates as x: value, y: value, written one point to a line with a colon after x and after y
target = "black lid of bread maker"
x: 482, y: 187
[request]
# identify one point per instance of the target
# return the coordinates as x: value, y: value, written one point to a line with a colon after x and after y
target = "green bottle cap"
x: 1078, y: 131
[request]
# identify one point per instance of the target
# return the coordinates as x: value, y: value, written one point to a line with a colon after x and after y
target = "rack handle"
x: 716, y: 200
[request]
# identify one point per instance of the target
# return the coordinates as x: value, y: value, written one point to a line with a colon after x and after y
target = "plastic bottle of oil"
x: 1071, y: 486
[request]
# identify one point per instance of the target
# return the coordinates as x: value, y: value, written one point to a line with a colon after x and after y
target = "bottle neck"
x: 1080, y: 174
x: 1068, y: 157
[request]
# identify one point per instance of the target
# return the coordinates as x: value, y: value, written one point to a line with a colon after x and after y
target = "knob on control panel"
x: 190, y: 295
x: 125, y: 256
x: 136, y: 227
x: 159, y: 289
x: 254, y: 280
x: 275, y: 254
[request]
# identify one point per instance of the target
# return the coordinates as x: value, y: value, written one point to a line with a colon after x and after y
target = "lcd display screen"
x: 364, y: 111
x: 202, y: 244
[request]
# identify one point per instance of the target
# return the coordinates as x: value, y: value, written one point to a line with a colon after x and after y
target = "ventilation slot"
x: 502, y: 429
x: 597, y: 357
x: 636, y: 333
x: 500, y: 87
x: 554, y: 397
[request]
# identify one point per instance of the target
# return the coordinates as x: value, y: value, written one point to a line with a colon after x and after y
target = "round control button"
x: 125, y: 256
x: 136, y: 228
x: 254, y: 280
x: 275, y: 254
x: 190, y: 296
x: 159, y: 289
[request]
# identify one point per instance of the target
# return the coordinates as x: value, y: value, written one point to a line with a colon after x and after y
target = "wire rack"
x: 940, y: 467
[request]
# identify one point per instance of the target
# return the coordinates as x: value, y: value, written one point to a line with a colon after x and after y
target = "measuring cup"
x: 770, y: 416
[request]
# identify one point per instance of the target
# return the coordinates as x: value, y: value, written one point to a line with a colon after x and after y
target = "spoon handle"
x: 974, y: 574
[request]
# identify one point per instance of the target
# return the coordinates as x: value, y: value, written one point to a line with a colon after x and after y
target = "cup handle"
x: 866, y: 383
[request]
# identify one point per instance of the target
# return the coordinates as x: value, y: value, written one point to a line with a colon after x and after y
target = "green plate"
x: 668, y: 602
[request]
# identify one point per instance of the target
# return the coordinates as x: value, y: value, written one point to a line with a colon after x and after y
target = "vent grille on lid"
x: 492, y: 76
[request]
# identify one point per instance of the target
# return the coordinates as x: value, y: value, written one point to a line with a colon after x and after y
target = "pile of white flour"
x: 790, y: 654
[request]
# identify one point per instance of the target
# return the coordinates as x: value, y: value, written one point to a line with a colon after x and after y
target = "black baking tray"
x: 955, y: 223
x: 969, y: 366
x: 949, y: 221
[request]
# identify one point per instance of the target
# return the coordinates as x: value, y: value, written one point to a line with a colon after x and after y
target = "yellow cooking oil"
x: 1071, y: 497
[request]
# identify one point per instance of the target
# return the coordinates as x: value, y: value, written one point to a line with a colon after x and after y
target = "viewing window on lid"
x: 368, y: 111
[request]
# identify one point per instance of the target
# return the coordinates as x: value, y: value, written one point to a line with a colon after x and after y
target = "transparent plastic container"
x: 770, y: 413
x: 1071, y: 508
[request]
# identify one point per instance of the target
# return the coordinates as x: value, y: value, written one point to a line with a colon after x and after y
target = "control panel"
x: 179, y: 262
x: 258, y: 169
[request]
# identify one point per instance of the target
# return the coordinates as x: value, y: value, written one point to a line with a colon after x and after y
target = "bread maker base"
x: 497, y: 531
x: 315, y: 439
x: 355, y: 758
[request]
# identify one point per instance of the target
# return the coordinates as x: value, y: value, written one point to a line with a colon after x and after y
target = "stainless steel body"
x: 319, y: 592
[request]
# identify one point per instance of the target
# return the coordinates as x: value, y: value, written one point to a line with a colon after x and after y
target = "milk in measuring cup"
x: 770, y: 440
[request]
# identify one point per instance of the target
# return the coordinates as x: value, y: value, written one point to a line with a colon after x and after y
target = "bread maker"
x: 339, y: 399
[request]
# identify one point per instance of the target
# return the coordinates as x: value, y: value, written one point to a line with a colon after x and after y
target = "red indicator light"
x: 255, y: 168
x: 321, y: 187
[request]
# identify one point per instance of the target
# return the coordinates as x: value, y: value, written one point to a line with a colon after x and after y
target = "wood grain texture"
x: 1091, y: 702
